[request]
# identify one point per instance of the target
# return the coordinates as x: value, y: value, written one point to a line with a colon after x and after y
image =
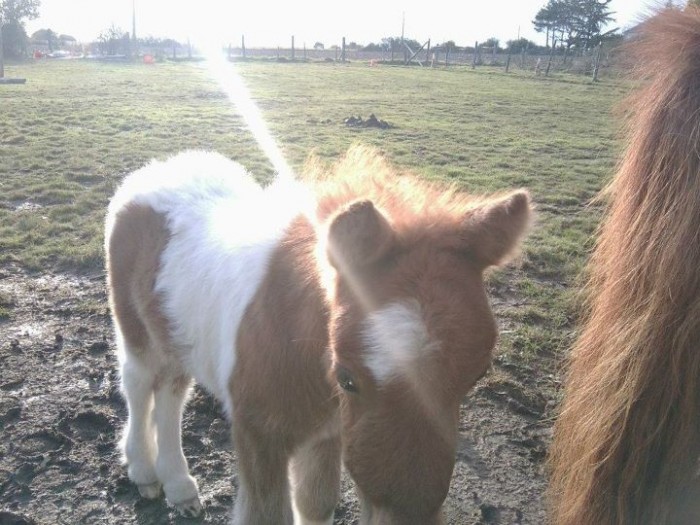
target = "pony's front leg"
x: 263, y: 487
x: 180, y: 488
x: 315, y: 476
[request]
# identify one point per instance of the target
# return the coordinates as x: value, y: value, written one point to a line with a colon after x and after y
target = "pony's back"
x: 627, y: 441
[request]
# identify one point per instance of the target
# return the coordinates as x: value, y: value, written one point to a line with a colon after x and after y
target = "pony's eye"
x: 345, y: 379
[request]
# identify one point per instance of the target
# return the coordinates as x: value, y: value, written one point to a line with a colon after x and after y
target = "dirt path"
x: 61, y: 413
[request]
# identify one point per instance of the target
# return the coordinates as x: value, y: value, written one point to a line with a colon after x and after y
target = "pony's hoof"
x: 190, y: 508
x: 150, y: 490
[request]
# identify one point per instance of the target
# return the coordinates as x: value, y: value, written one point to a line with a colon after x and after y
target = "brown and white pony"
x: 627, y: 441
x: 349, y: 317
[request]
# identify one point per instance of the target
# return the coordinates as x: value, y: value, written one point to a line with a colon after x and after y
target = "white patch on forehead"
x: 394, y: 338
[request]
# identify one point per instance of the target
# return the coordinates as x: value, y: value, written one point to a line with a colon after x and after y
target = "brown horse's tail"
x: 627, y: 442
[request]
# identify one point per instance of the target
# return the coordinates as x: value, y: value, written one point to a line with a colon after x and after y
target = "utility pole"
x: 403, y: 26
x: 133, y: 20
x: 2, y: 65
x: 133, y: 43
x: 2, y: 56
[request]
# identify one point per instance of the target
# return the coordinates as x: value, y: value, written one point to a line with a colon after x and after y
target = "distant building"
x: 47, y: 41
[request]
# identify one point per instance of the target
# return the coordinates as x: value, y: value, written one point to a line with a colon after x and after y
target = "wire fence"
x: 594, y: 62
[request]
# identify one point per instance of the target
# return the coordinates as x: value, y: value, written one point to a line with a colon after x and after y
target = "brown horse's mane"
x: 627, y: 441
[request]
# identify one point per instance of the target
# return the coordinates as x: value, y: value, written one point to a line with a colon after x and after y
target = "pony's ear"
x: 493, y: 231
x: 358, y: 236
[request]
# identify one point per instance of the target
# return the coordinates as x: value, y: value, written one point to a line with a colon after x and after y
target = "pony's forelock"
x: 365, y: 171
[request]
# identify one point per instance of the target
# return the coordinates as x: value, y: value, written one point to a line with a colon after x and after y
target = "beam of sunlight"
x: 349, y: 274
x: 230, y: 81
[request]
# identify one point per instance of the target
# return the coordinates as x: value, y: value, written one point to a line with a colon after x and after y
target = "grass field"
x: 75, y: 129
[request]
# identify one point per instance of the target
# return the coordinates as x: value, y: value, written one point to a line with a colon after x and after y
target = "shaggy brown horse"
x: 627, y: 441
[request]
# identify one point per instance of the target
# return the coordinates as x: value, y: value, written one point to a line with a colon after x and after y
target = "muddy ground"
x: 61, y: 413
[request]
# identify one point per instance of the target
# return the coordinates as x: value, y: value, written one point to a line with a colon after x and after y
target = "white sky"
x: 327, y: 21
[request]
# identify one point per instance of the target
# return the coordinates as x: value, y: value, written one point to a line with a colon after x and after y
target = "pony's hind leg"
x: 139, y: 440
x: 152, y: 444
x: 314, y: 473
x: 179, y: 486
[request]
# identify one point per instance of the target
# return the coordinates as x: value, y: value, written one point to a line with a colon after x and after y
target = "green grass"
x: 76, y: 128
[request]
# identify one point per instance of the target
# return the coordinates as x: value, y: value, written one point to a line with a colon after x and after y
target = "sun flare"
x: 231, y: 83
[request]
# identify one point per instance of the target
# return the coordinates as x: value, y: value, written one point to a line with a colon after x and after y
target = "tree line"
x: 394, y: 44
x: 13, y: 13
x: 568, y: 23
x: 576, y: 24
x: 111, y: 41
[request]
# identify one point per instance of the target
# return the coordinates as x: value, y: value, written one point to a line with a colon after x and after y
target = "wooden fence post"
x: 414, y: 54
x: 174, y: 50
x: 508, y: 61
x: 342, y: 55
x: 597, y: 62
x: 243, y: 45
x: 493, y: 56
x: 2, y: 54
x: 304, y: 51
x: 292, y: 47
x: 476, y: 50
x: 523, y: 55
x: 447, y: 57
x: 549, y: 61
x: 427, y: 53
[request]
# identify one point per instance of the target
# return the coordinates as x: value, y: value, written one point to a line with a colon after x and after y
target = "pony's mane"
x: 364, y: 173
x: 627, y: 440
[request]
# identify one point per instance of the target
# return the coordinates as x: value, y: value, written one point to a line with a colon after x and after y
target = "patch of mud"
x: 61, y: 415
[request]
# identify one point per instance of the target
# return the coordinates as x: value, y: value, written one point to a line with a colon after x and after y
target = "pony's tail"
x: 627, y: 441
